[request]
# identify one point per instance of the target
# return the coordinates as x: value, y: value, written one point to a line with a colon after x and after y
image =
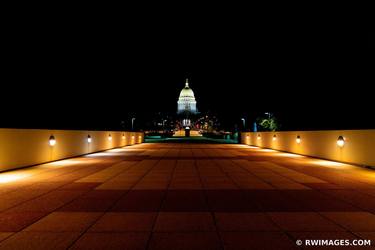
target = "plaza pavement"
x: 185, y: 196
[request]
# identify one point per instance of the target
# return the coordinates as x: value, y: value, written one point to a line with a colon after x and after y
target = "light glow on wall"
x: 52, y: 141
x: 123, y: 136
x: 30, y: 147
x: 340, y: 141
x: 348, y: 146
x: 247, y: 139
x: 274, y: 138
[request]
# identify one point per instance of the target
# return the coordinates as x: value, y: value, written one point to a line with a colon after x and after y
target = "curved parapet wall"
x: 26, y: 147
x: 357, y: 147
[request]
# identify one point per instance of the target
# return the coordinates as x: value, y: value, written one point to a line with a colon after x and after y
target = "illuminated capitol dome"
x: 186, y: 102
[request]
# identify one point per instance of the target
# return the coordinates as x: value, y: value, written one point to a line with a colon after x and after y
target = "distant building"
x: 187, y: 111
x: 186, y: 103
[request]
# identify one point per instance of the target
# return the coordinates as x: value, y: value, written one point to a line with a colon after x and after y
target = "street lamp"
x: 269, y: 115
x: 164, y: 126
x: 243, y: 120
x: 133, y: 119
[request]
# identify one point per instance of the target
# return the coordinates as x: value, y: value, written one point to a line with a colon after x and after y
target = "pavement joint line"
x: 270, y: 183
x: 160, y: 206
x: 50, y: 191
x: 109, y: 208
x: 211, y: 212
x: 260, y: 207
x: 185, y: 152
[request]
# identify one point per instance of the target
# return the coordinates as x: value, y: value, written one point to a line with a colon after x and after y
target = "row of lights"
x: 52, y: 139
x: 340, y: 140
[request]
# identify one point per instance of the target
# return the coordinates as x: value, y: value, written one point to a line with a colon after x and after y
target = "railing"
x: 350, y: 146
x: 25, y: 147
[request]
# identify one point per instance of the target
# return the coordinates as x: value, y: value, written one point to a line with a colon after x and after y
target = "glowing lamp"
x: 109, y: 137
x: 258, y: 137
x: 123, y: 136
x: 89, y: 139
x: 340, y: 141
x: 133, y: 137
x: 274, y: 138
x: 298, y: 139
x: 52, y: 140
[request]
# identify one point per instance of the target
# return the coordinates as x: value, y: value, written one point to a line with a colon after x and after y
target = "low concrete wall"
x: 359, y: 147
x: 25, y: 147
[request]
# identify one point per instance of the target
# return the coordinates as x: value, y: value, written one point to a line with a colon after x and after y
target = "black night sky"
x: 94, y: 76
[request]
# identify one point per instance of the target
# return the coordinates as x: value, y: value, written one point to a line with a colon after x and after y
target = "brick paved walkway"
x: 185, y: 196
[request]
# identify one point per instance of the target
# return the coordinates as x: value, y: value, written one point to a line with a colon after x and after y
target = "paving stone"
x: 185, y: 196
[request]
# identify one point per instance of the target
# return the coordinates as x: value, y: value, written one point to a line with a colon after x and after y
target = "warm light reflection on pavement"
x: 289, y: 155
x: 12, y: 176
x: 327, y: 163
x: 168, y: 195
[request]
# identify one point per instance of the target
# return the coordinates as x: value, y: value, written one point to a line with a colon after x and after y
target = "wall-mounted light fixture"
x: 109, y: 137
x: 258, y: 137
x: 89, y: 139
x: 298, y: 139
x: 340, y: 141
x: 274, y: 138
x: 123, y: 136
x: 52, y: 140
